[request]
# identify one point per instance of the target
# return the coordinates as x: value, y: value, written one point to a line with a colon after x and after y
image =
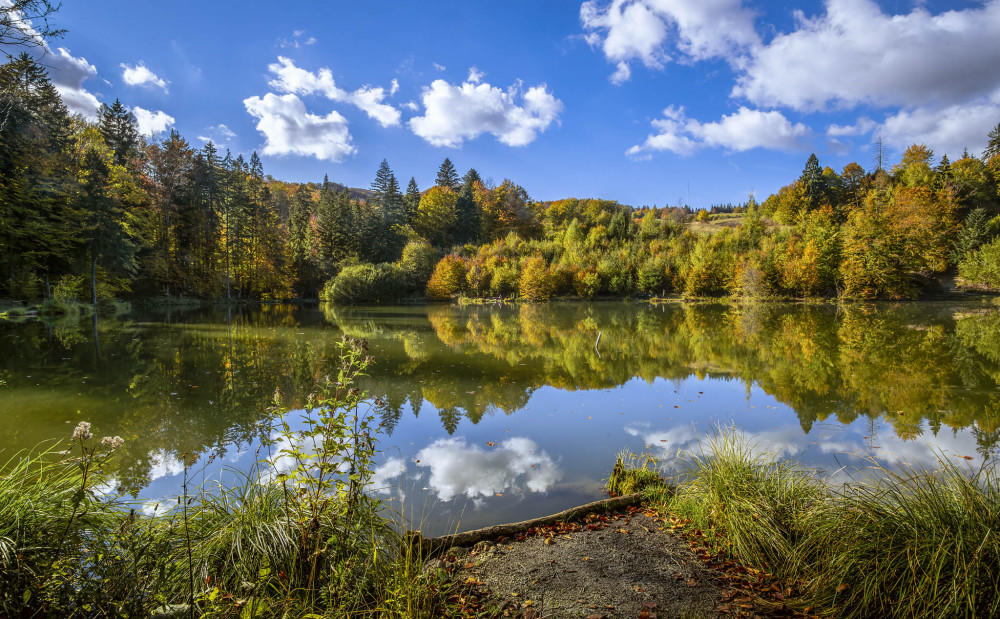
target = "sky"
x: 648, y: 102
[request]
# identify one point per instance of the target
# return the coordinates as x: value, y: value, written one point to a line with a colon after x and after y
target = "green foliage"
x: 982, y: 267
x: 418, y: 262
x: 365, y: 284
x: 634, y: 473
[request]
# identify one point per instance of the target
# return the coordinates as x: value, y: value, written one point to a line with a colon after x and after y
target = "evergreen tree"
x: 812, y: 179
x: 411, y: 201
x: 119, y: 129
x: 992, y: 144
x: 447, y: 176
x: 382, y: 224
x: 301, y: 240
x: 471, y: 178
x: 37, y: 221
x: 467, y: 217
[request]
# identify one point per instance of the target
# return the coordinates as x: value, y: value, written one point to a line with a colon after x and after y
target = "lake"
x: 501, y: 413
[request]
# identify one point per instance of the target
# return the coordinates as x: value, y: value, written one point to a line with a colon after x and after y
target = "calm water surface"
x: 814, y: 382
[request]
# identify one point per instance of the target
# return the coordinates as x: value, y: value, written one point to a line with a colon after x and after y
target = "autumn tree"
x: 436, y: 215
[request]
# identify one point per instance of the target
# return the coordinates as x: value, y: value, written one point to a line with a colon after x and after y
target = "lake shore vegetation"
x: 299, y: 535
x: 886, y: 542
x: 92, y: 211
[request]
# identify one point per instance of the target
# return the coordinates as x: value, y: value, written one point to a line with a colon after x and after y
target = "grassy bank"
x: 907, y: 542
x: 298, y: 536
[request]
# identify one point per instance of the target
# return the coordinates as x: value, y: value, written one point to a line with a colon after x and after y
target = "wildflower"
x: 112, y: 442
x: 82, y: 431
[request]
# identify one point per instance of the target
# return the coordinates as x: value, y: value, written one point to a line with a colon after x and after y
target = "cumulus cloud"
x: 152, y: 123
x: 743, y: 130
x: 68, y: 73
x: 457, y: 468
x: 950, y: 129
x: 291, y: 79
x: 856, y: 54
x: 863, y: 126
x: 453, y: 114
x: 140, y: 75
x: 291, y: 130
x: 650, y: 30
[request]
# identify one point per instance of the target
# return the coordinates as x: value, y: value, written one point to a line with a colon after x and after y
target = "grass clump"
x: 635, y: 473
x: 906, y: 542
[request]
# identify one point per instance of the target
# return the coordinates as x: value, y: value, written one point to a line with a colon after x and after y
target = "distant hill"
x: 289, y: 188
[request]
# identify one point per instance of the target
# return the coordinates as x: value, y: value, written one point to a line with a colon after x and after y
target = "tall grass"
x: 299, y: 535
x: 905, y: 542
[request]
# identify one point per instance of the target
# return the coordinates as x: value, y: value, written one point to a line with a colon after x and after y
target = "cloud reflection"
x: 457, y: 468
x: 889, y: 449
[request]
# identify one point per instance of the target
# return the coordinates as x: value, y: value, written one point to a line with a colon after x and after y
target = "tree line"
x: 91, y: 210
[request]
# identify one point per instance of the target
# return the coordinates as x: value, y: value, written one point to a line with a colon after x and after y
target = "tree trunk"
x: 93, y: 281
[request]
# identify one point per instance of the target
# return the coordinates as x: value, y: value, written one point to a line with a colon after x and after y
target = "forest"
x: 92, y: 211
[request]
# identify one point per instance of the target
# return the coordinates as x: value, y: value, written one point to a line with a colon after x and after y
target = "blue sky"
x: 642, y: 101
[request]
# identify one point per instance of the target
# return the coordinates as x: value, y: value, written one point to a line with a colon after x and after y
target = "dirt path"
x: 618, y: 565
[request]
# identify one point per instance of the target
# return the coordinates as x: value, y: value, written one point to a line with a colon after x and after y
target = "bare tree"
x: 25, y: 23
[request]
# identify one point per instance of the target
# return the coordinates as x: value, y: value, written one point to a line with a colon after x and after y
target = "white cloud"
x: 292, y: 79
x: 68, y: 73
x: 152, y: 123
x: 290, y: 130
x: 439, y: 67
x: 140, y: 75
x: 856, y: 54
x: 947, y: 130
x: 628, y: 30
x: 743, y: 130
x: 862, y: 126
x: 475, y: 75
x: 219, y: 134
x: 297, y: 40
x: 453, y: 114
x: 411, y: 105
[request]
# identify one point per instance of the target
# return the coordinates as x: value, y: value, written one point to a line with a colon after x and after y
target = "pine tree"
x: 992, y: 144
x: 815, y: 184
x: 447, y: 176
x: 301, y: 240
x: 383, y: 223
x: 467, y: 217
x: 118, y: 128
x: 471, y: 178
x: 411, y: 201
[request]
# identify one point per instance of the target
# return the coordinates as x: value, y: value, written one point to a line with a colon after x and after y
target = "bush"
x: 417, y: 263
x: 535, y: 283
x: 365, y: 283
x: 982, y: 266
x: 448, y: 279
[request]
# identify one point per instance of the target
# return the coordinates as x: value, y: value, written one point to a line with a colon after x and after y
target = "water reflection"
x: 456, y: 377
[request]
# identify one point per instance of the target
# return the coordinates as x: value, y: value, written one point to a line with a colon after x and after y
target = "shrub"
x: 448, y: 278
x: 982, y: 266
x: 535, y: 283
x: 365, y: 283
x: 417, y: 263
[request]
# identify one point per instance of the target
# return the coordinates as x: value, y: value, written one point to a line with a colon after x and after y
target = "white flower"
x: 112, y: 443
x: 82, y: 431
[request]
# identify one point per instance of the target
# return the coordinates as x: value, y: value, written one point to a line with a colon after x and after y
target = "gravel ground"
x: 627, y: 567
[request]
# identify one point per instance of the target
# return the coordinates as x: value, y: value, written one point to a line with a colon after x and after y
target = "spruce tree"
x: 812, y: 178
x: 471, y: 178
x: 447, y: 175
x: 411, y: 201
x: 119, y: 130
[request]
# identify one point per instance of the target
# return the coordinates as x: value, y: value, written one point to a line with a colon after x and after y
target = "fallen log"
x: 431, y: 545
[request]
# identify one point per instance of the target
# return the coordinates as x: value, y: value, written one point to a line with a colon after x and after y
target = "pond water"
x: 505, y: 413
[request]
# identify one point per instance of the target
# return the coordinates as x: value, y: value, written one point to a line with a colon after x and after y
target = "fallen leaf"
x: 843, y: 587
